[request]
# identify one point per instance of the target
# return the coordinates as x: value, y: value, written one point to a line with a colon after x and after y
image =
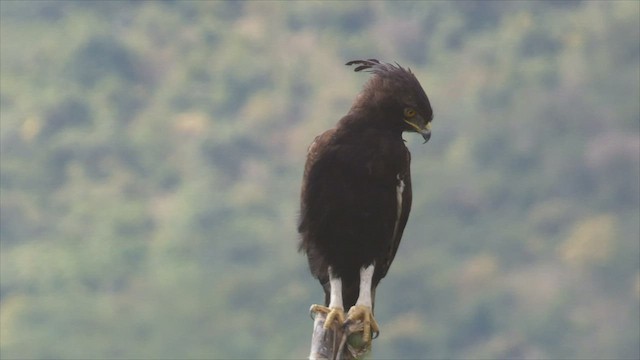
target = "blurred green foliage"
x: 151, y: 157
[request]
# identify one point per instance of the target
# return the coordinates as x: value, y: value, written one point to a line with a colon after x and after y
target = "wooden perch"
x: 337, y: 342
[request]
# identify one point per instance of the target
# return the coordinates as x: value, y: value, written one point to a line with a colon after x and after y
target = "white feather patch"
x: 366, y: 279
x: 335, y: 298
x: 399, y: 191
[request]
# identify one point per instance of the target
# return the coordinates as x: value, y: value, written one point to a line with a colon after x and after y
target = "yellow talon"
x: 333, y: 315
x: 365, y: 315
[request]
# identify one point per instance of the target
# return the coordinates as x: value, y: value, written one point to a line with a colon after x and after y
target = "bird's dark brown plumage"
x: 356, y: 190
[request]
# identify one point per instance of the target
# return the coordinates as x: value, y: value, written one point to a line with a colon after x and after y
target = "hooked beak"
x: 421, y: 127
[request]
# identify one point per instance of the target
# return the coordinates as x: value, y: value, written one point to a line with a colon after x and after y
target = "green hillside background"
x: 152, y: 153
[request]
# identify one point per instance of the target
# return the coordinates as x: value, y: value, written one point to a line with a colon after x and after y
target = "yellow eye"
x: 409, y: 112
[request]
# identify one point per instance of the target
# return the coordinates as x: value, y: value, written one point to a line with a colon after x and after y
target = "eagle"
x: 356, y: 192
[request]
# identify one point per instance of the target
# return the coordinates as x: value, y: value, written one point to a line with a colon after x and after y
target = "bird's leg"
x: 362, y: 310
x: 335, y: 311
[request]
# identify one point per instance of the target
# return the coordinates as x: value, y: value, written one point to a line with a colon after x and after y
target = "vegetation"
x: 151, y: 156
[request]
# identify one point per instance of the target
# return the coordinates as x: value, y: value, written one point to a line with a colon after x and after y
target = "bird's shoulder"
x: 318, y: 146
x: 366, y: 151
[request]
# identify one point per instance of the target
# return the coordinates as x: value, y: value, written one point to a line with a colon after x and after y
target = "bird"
x: 356, y: 192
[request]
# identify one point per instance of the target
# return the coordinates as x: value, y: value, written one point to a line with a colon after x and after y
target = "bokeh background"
x: 152, y: 152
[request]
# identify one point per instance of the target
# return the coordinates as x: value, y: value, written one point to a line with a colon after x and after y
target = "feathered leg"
x: 335, y: 311
x: 363, y: 309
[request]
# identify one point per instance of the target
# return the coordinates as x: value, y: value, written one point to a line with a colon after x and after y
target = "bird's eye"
x: 409, y: 112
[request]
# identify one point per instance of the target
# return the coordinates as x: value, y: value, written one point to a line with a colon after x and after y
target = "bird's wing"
x: 314, y: 152
x: 405, y: 198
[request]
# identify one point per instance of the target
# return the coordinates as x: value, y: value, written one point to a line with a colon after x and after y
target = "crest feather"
x: 374, y: 66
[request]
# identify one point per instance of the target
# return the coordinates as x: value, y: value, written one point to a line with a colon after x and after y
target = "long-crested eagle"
x: 356, y: 191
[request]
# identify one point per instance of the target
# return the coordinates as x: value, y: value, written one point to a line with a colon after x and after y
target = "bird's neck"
x: 375, y: 117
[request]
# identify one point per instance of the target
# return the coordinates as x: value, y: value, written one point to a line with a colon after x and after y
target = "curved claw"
x: 365, y: 315
x: 333, y: 315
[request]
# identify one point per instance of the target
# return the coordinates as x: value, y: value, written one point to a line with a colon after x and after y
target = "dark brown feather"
x: 349, y: 200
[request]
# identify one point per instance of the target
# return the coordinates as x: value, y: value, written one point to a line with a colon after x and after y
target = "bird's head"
x: 396, y: 90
